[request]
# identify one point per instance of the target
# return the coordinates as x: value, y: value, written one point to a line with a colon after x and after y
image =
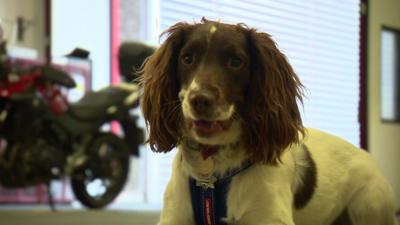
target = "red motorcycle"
x: 44, y: 137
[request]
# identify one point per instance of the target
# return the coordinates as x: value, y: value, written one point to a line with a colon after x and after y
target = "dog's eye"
x: 235, y: 62
x: 187, y: 59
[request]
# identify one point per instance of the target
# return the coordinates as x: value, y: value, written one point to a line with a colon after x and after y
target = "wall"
x: 33, y: 12
x: 74, y: 23
x: 384, y: 138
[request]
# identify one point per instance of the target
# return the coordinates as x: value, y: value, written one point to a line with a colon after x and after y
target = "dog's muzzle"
x: 202, y: 103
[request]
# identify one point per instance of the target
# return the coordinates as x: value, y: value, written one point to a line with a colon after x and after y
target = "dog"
x: 227, y: 98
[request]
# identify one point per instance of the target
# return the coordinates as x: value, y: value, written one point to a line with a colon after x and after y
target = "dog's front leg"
x: 274, y: 208
x: 177, y: 207
x: 269, y: 201
x: 263, y: 220
x: 281, y: 221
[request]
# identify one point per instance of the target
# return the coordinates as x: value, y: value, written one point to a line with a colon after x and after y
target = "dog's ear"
x: 160, y: 103
x: 272, y: 118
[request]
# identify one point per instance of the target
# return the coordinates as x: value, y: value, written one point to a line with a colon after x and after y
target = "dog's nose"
x: 201, y: 103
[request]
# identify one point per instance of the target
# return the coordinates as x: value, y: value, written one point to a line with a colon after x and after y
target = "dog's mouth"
x: 207, y: 128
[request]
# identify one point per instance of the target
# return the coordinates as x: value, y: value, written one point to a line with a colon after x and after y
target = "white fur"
x: 347, y: 178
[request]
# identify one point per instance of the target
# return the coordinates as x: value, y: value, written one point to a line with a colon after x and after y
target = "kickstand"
x: 50, y: 197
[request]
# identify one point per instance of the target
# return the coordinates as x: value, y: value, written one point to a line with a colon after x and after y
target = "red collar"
x: 207, y: 150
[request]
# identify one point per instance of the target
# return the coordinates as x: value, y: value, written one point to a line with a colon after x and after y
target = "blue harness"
x: 209, y: 203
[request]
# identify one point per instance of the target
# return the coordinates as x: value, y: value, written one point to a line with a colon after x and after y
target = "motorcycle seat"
x: 95, y: 105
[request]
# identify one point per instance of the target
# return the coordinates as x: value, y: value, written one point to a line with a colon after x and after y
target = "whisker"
x: 236, y: 116
x: 174, y: 110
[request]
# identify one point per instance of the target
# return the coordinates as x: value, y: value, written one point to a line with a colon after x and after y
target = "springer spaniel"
x: 226, y: 97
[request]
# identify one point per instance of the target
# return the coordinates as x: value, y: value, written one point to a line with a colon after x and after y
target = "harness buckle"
x: 206, y: 182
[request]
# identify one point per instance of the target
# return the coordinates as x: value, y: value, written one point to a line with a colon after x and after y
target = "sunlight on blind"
x: 320, y: 39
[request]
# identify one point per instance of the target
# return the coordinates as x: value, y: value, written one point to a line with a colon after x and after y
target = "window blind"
x: 320, y: 39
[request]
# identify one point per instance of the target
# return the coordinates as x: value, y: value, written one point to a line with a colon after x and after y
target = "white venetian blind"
x: 319, y: 37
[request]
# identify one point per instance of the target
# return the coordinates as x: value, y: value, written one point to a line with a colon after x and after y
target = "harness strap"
x: 209, y: 204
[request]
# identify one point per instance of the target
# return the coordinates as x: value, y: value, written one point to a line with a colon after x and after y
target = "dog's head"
x: 217, y: 82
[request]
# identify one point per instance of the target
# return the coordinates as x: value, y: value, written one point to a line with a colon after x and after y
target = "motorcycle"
x: 44, y: 137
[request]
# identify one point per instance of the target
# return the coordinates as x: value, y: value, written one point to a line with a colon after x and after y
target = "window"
x: 390, y: 75
x: 320, y: 38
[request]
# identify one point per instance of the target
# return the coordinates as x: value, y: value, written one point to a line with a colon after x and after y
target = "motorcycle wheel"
x: 99, y: 181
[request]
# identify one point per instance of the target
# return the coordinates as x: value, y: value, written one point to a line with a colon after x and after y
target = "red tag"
x: 208, y: 151
x: 208, y: 211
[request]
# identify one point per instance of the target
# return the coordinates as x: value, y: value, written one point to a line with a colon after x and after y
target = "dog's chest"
x: 209, y: 190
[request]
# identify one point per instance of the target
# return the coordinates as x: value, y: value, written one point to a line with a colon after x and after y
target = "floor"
x: 78, y: 217
x: 43, y: 216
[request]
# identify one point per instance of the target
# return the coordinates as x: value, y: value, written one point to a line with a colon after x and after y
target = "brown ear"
x: 272, y: 118
x: 160, y: 103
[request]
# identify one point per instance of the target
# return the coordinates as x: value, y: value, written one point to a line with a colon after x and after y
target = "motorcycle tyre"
x: 78, y: 186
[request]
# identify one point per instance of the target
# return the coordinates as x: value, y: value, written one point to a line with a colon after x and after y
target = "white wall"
x: 33, y: 13
x: 384, y: 138
x: 85, y: 24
